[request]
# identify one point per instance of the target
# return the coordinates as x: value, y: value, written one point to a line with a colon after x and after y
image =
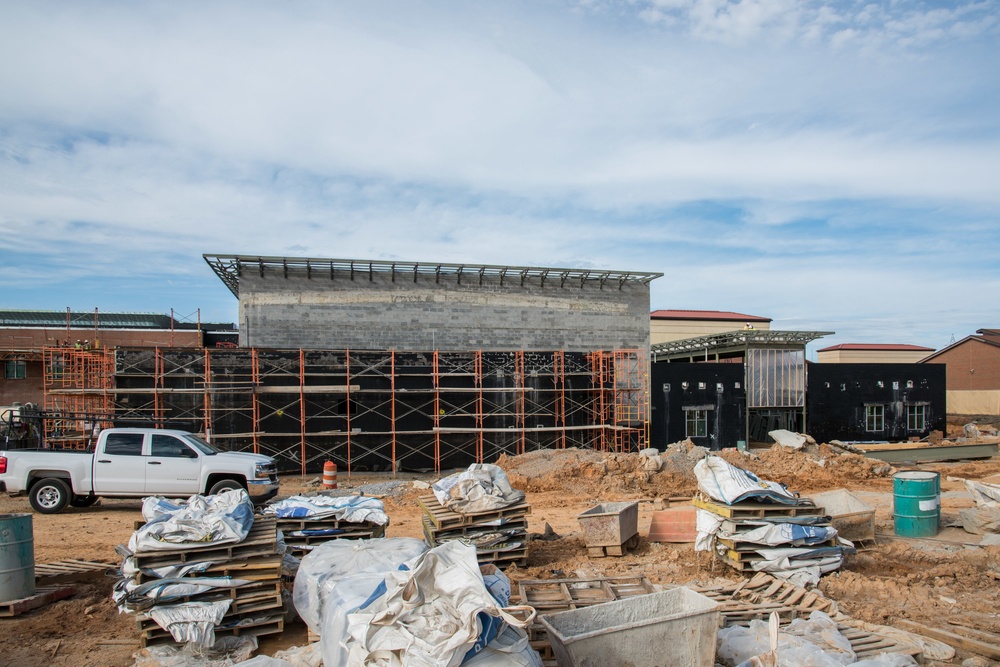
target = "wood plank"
x: 991, y: 651
x: 43, y: 596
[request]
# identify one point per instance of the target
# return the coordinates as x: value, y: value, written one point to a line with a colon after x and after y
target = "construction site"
x: 391, y: 396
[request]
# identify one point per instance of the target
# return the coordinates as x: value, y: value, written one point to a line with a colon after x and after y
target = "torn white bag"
x: 429, y: 615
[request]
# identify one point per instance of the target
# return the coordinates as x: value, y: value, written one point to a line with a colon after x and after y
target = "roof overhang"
x: 229, y: 268
x: 733, y: 341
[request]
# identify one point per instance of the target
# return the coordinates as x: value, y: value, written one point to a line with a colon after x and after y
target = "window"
x: 697, y: 423
x: 916, y: 417
x: 875, y: 418
x: 124, y: 444
x: 15, y: 369
x: 168, y: 445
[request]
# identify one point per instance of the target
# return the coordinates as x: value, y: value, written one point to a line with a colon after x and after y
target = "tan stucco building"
x: 872, y: 353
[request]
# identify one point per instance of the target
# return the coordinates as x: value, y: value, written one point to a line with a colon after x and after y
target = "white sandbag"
x: 171, y: 524
x: 324, y: 568
x: 509, y: 649
x: 429, y: 614
x: 728, y: 484
x: 192, y: 622
x: 355, y: 509
x: 481, y: 488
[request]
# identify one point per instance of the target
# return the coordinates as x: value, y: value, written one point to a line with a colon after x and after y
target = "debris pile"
x: 480, y: 508
x: 393, y: 601
x: 307, y: 521
x: 754, y: 525
x: 202, y: 568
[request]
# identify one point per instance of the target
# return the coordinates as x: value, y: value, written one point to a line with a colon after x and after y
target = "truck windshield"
x: 200, y: 444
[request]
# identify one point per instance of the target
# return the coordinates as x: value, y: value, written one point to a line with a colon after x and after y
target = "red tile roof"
x: 878, y: 346
x: 723, y: 315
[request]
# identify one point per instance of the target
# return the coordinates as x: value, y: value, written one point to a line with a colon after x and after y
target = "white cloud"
x: 759, y: 153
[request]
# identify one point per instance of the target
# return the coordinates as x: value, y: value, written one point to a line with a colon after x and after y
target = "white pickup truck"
x: 134, y: 462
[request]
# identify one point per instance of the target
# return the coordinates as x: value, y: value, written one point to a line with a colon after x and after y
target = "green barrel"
x: 916, y: 505
x: 17, y: 557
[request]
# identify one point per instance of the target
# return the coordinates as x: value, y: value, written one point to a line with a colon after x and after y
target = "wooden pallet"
x: 69, y: 570
x: 437, y: 534
x: 551, y: 595
x: 250, y: 597
x: 756, y: 597
x: 266, y: 625
x: 554, y: 595
x: 443, y: 517
x: 262, y: 540
x: 498, y: 554
x: 258, y: 568
x: 42, y: 596
x: 303, y: 544
x: 743, y: 551
x: 617, y: 550
x: 752, y: 510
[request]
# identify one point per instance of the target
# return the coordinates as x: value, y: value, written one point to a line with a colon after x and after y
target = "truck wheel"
x: 224, y: 485
x: 49, y: 495
x: 83, y: 501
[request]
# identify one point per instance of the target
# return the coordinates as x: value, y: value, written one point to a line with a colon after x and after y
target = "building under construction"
x: 390, y: 365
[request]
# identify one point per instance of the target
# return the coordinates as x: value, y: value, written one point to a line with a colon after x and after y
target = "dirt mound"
x: 817, y: 468
x: 901, y: 580
x: 599, y: 474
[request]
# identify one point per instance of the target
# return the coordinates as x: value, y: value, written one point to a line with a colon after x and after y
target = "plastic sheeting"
x: 812, y: 642
x: 481, y: 488
x: 782, y: 533
x: 191, y: 621
x: 429, y: 615
x: 355, y: 509
x: 728, y: 484
x: 226, y: 652
x: 345, y: 570
x: 171, y: 524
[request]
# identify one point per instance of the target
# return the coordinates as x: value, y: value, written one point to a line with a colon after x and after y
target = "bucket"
x: 676, y: 524
x: 916, y: 503
x: 17, y: 557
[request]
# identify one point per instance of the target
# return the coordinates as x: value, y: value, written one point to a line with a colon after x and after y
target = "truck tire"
x: 49, y: 495
x: 224, y: 485
x: 83, y: 501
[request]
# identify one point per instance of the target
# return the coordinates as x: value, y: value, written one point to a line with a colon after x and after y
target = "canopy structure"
x: 731, y: 343
x: 229, y: 268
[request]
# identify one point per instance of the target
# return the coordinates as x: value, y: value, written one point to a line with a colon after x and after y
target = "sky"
x: 834, y: 166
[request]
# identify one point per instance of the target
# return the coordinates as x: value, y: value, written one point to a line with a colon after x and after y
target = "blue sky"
x: 832, y: 165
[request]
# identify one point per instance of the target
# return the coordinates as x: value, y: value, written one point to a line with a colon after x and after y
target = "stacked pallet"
x: 735, y: 546
x: 549, y: 596
x: 255, y: 606
x: 499, y: 535
x: 302, y: 535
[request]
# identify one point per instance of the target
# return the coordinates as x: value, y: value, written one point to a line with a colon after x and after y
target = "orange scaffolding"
x: 76, y: 383
x: 380, y: 408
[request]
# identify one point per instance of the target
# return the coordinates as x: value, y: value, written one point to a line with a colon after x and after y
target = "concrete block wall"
x: 376, y: 312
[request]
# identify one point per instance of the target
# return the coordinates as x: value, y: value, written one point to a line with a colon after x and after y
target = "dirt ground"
x: 934, y: 582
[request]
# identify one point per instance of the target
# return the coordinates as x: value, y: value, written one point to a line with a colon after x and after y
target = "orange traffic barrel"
x: 676, y: 524
x: 329, y: 475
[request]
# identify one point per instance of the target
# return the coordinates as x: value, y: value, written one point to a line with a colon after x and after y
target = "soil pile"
x: 600, y: 474
x: 817, y: 468
x: 671, y: 474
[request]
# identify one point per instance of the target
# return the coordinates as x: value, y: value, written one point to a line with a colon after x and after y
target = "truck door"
x: 120, y: 468
x: 173, y: 468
